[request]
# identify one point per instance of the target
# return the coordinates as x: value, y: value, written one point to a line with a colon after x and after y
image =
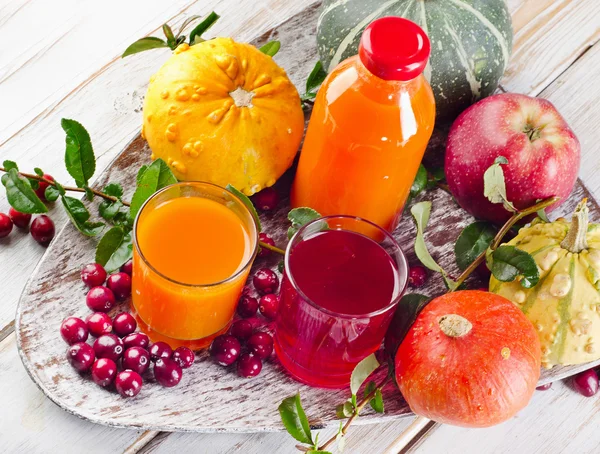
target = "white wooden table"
x: 60, y: 58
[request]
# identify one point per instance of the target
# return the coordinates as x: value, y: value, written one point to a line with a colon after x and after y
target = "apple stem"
x: 576, y: 239
x: 453, y: 325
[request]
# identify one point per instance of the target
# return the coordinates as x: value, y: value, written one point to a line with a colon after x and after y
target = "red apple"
x: 542, y: 151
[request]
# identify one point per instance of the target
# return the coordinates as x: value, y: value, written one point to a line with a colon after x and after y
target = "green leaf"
x: 171, y: 41
x: 79, y: 215
x: 20, y: 194
x: 114, y: 249
x: 494, y: 186
x: 435, y: 176
x: 405, y: 315
x: 473, y: 240
x: 315, y: 78
x: 299, y: 217
x: 509, y: 262
x: 121, y: 255
x: 113, y: 189
x: 377, y: 402
x: 362, y: 371
x: 144, y: 44
x: 202, y: 27
x: 79, y: 154
x: 542, y: 215
x: 39, y: 172
x: 52, y: 194
x: 246, y: 201
x: 140, y: 173
x: 271, y: 48
x: 420, y: 182
x: 154, y: 177
x: 369, y: 388
x: 35, y: 184
x: 88, y: 193
x: 281, y: 266
x: 187, y: 22
x: 345, y: 410
x: 59, y: 188
x: 108, y: 210
x: 294, y: 419
x: 9, y: 165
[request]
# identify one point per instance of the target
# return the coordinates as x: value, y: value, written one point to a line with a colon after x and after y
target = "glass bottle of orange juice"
x: 371, y: 122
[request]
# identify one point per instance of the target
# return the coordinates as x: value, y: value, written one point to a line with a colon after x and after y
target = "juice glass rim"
x: 196, y: 183
x: 402, y: 257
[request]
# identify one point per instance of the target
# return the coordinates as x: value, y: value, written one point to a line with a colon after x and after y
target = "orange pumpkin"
x: 471, y: 359
x: 223, y: 112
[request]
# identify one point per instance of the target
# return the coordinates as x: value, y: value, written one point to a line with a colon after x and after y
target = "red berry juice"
x: 336, y: 305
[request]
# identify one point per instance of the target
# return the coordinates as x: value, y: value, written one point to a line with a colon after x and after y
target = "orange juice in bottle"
x: 371, y: 122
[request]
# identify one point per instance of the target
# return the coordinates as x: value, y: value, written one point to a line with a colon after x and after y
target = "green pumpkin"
x: 471, y: 42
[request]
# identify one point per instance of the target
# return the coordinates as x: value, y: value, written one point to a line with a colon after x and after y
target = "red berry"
x: 21, y: 220
x: 109, y: 346
x: 263, y: 237
x: 136, y: 359
x: 483, y: 271
x: 128, y: 383
x: 545, y: 387
x: 136, y: 340
x: 124, y: 324
x: 127, y: 268
x: 167, y: 372
x: 249, y: 365
x: 265, y: 281
x: 99, y: 323
x: 120, y: 284
x: 160, y: 350
x: 225, y: 349
x: 100, y: 299
x: 6, y: 225
x: 266, y: 200
x: 104, y: 372
x: 417, y: 276
x: 183, y: 356
x: 586, y: 383
x: 268, y: 306
x: 42, y: 230
x: 247, y: 306
x: 93, y: 275
x: 81, y: 356
x: 260, y: 345
x: 73, y: 330
x: 41, y: 190
x: 241, y: 330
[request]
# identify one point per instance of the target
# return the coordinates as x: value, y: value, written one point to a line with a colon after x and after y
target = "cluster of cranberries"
x: 227, y: 348
x: 119, y: 355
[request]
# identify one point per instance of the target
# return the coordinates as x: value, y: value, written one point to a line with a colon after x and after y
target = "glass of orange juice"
x: 193, y: 246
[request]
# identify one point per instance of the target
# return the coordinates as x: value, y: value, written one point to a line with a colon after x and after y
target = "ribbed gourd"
x: 471, y: 42
x: 564, y: 306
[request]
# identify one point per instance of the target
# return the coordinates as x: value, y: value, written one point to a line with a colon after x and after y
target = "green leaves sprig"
x: 314, y: 81
x: 300, y: 217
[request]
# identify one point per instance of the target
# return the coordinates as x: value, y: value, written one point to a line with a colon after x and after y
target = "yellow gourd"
x: 223, y: 112
x: 564, y: 306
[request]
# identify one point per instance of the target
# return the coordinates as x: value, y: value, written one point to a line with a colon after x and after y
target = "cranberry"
x: 586, y: 383
x: 108, y: 346
x: 241, y: 330
x: 247, y: 306
x: 136, y: 340
x: 42, y: 230
x: 6, y: 225
x: 268, y: 305
x: 21, y: 220
x: 261, y: 345
x: 93, y: 275
x: 124, y: 324
x: 104, y: 372
x: 264, y: 238
x: 127, y: 268
x: 545, y: 387
x: 99, y: 323
x: 160, y: 350
x: 100, y: 299
x: 265, y: 281
x: 167, y: 372
x: 120, y: 284
x: 73, y: 330
x: 249, y: 365
x: 81, y: 356
x: 41, y: 190
x: 183, y: 356
x: 225, y: 349
x: 417, y: 276
x: 266, y: 200
x: 483, y: 271
x: 136, y: 359
x: 128, y: 383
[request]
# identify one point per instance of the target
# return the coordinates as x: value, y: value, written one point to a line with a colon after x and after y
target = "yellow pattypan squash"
x: 223, y: 112
x: 564, y: 306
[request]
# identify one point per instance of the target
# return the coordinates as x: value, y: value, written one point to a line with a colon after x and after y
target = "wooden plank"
x: 33, y: 424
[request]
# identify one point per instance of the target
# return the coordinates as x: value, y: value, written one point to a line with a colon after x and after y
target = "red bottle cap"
x: 394, y: 48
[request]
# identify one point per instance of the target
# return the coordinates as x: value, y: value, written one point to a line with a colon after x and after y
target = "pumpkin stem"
x: 576, y: 239
x: 453, y: 325
x: 241, y: 97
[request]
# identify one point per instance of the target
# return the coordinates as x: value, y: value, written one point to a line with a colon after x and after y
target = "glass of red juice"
x: 343, y: 279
